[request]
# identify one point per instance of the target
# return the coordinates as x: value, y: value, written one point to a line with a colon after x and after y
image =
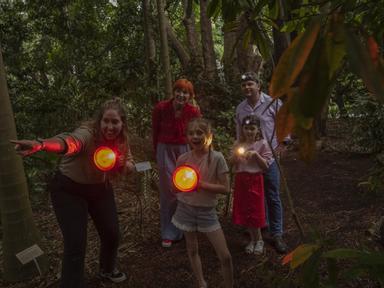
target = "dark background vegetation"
x: 63, y: 58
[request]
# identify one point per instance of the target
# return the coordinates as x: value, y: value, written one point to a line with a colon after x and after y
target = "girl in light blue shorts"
x: 196, y: 211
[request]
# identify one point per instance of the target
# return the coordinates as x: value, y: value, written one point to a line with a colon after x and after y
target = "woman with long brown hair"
x: 81, y: 187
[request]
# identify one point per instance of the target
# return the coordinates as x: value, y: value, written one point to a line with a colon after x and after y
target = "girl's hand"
x: 239, y: 158
x: 202, y: 185
x: 250, y: 154
x: 26, y: 147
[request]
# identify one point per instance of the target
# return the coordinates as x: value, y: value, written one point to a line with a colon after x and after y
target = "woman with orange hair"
x: 169, y: 121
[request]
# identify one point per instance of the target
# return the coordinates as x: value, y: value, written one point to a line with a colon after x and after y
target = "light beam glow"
x: 104, y: 158
x: 241, y: 150
x: 185, y: 178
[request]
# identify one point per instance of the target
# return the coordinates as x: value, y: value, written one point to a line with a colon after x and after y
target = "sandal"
x: 250, y: 247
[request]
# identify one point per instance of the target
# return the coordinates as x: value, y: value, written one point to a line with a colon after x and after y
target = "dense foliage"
x: 63, y: 58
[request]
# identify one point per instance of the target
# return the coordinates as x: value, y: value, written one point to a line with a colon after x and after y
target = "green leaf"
x: 230, y: 9
x: 310, y: 273
x: 334, y: 45
x: 231, y: 26
x: 342, y: 253
x: 293, y: 59
x: 214, y: 9
x: 285, y: 121
x: 257, y: 11
x: 262, y: 41
x: 302, y: 253
x: 315, y: 84
x: 289, y: 26
x: 374, y: 259
x: 332, y: 272
x: 247, y: 38
x: 274, y: 10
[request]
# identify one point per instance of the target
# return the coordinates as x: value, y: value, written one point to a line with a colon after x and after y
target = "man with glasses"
x: 258, y: 103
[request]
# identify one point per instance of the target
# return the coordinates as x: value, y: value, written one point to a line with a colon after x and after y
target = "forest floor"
x: 326, y: 195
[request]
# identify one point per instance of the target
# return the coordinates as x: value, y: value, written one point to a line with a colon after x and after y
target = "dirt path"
x: 326, y: 196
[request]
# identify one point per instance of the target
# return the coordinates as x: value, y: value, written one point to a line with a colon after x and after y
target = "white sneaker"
x: 116, y: 276
x: 259, y: 247
x: 250, y: 247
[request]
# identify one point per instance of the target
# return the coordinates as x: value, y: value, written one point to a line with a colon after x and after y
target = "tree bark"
x: 231, y: 69
x: 181, y: 52
x: 281, y: 40
x: 164, y: 49
x: 209, y: 57
x: 150, y: 47
x: 196, y: 59
x: 19, y: 230
x: 248, y: 56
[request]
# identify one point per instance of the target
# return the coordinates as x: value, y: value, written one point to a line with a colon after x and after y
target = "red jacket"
x: 168, y: 129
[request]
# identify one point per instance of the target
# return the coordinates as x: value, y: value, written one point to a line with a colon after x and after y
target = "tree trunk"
x: 19, y: 230
x: 231, y: 69
x: 280, y: 39
x: 196, y: 62
x: 150, y: 47
x: 178, y: 47
x: 164, y: 49
x: 209, y: 57
x: 248, y: 57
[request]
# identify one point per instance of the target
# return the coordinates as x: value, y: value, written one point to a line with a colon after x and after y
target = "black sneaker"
x: 115, y: 276
x: 280, y: 245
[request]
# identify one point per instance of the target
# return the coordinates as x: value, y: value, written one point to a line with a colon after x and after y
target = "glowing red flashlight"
x: 185, y: 178
x: 104, y: 158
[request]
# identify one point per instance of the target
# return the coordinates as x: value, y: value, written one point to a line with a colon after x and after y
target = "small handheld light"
x: 240, y: 150
x: 185, y: 178
x: 104, y: 158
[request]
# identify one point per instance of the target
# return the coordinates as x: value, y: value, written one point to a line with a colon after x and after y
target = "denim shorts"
x: 190, y: 218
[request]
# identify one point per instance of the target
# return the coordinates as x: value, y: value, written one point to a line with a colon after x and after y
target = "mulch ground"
x: 327, y: 199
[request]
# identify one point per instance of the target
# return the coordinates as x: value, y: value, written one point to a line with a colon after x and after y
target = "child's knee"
x: 192, y: 250
x: 225, y: 258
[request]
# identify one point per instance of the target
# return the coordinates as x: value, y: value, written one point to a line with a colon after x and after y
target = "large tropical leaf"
x: 285, y: 121
x: 301, y: 254
x: 315, y: 84
x: 335, y: 45
x: 293, y: 59
x: 363, y: 64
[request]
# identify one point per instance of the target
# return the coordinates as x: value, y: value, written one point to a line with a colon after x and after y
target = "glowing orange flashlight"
x: 185, y: 178
x: 104, y: 158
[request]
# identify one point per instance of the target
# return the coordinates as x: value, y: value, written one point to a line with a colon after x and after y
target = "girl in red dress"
x: 250, y: 157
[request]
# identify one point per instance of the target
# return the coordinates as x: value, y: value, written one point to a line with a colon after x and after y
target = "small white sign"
x: 29, y: 254
x: 143, y: 166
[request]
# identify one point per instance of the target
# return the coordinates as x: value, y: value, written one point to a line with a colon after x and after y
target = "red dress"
x: 248, y: 200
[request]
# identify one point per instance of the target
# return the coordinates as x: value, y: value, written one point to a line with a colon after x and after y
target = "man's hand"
x: 280, y: 150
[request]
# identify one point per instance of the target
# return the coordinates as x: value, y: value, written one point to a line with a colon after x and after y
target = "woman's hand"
x: 27, y: 147
x: 120, y: 161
